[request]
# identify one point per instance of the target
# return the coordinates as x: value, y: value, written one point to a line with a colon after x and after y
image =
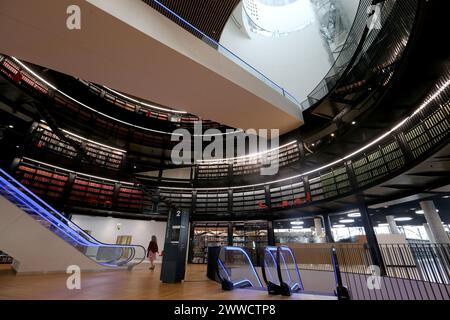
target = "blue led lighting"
x: 27, y: 201
x: 238, y: 249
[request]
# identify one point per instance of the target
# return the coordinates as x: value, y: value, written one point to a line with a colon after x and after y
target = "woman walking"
x: 152, y: 252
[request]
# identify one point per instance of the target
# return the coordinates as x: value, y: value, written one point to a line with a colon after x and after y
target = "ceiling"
x: 208, y: 16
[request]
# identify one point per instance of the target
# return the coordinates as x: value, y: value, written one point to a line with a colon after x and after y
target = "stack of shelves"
x: 132, y: 199
x: 245, y: 200
x: 93, y: 193
x: 212, y: 202
x: 288, y: 195
x: 105, y: 157
x: 44, y: 138
x: 47, y: 183
x: 205, y: 236
x: 252, y: 236
x: 207, y: 171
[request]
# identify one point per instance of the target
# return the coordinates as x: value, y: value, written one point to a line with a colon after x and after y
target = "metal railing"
x: 413, y: 271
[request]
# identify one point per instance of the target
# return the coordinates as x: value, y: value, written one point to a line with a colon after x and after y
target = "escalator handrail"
x: 68, y: 230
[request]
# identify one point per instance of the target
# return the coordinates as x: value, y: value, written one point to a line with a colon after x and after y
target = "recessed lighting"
x: 347, y: 221
x: 297, y: 223
x: 403, y: 219
x: 333, y: 135
x: 353, y: 122
x: 339, y: 226
x: 11, y: 126
x: 354, y: 215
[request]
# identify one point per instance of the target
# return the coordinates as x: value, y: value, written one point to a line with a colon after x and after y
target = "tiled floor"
x: 138, y: 284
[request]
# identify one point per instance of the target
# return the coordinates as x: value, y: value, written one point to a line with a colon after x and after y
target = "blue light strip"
x: 248, y: 259
x: 11, y: 188
x: 269, y: 250
x: 283, y: 91
x: 284, y: 248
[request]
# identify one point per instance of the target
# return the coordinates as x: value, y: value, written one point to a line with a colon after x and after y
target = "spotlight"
x: 354, y: 215
x: 403, y: 219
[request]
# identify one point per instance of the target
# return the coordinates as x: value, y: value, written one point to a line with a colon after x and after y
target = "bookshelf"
x: 46, y: 183
x: 94, y: 193
x: 253, y: 199
x: 252, y: 236
x: 103, y: 156
x: 132, y: 199
x: 212, y: 202
x: 205, y: 236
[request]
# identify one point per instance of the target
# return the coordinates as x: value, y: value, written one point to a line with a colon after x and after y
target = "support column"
x: 429, y: 234
x: 270, y: 234
x: 328, y: 231
x: 374, y: 249
x: 319, y: 229
x: 230, y: 234
x: 434, y: 221
x: 375, y: 252
x: 392, y: 225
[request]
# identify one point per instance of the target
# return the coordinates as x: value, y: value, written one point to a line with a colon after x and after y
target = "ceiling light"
x: 446, y: 197
x: 11, y: 126
x: 297, y: 223
x: 403, y: 219
x: 420, y: 212
x: 333, y: 135
x: 353, y: 122
x: 347, y: 221
x: 354, y: 215
x: 298, y: 228
x: 339, y: 226
x: 383, y: 225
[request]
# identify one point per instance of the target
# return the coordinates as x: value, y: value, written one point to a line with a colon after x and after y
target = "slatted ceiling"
x: 209, y: 16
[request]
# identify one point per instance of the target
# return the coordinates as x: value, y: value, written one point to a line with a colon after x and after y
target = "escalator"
x: 42, y: 240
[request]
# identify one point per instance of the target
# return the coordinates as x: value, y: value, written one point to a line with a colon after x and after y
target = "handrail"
x: 30, y: 203
x: 213, y: 43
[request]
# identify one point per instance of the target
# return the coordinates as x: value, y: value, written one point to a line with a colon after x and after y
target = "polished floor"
x: 138, y: 284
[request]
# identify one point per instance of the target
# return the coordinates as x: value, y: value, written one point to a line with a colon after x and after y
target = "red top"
x: 153, y: 247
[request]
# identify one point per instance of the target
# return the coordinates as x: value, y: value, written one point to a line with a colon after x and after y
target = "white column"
x: 435, y: 222
x: 318, y: 226
x: 392, y: 225
x: 428, y: 231
x: 318, y: 229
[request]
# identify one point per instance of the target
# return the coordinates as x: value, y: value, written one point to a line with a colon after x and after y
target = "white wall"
x: 298, y: 62
x: 106, y: 229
